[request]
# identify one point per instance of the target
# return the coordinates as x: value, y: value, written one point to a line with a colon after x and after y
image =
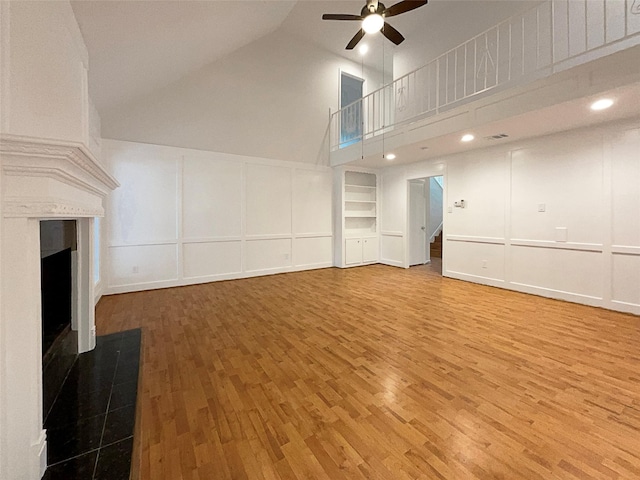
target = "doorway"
x: 426, y: 221
x: 351, y: 90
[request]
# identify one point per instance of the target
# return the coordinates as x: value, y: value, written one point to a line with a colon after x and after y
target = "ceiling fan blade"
x: 402, y: 7
x: 340, y: 16
x: 392, y: 34
x: 356, y: 38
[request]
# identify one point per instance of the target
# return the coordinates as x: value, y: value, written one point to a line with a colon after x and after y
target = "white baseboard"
x: 590, y: 300
x: 558, y: 294
x: 625, y: 307
x: 392, y: 263
x: 492, y: 282
x: 39, y: 456
x: 138, y: 287
x: 98, y: 291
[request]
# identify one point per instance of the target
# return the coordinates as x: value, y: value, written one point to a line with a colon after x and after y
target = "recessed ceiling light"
x: 364, y: 48
x: 601, y: 104
x: 391, y: 156
x: 467, y: 138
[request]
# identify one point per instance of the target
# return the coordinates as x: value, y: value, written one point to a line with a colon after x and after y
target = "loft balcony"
x: 556, y: 52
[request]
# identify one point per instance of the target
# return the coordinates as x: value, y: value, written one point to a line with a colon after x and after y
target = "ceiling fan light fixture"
x: 372, y: 23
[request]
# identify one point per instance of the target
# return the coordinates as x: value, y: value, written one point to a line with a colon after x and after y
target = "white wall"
x: 270, y: 99
x: 45, y: 91
x: 186, y: 216
x: 586, y: 181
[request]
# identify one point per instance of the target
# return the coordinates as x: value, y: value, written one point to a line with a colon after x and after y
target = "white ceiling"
x: 137, y: 47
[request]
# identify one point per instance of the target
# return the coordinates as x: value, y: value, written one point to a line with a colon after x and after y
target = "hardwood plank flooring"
x: 379, y: 373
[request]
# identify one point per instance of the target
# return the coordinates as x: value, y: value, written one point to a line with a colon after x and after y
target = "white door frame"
x: 437, y: 171
x: 411, y: 230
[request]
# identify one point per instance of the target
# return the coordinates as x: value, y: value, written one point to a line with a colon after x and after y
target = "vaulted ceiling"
x: 137, y: 47
x: 140, y: 46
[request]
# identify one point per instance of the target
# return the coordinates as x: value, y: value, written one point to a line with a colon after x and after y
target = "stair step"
x: 435, y: 249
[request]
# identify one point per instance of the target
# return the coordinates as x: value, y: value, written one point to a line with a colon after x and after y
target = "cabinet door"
x: 370, y: 250
x: 353, y: 251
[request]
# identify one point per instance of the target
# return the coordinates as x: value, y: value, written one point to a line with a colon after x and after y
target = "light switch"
x: 449, y: 209
x: 561, y: 234
x: 542, y: 207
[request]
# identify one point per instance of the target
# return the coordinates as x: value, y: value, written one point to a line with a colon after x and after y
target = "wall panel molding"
x: 219, y: 198
x: 474, y: 239
x: 584, y: 180
x: 584, y: 247
x: 211, y: 239
x: 625, y: 250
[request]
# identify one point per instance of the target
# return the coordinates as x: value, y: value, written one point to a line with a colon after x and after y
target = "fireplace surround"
x: 41, y: 179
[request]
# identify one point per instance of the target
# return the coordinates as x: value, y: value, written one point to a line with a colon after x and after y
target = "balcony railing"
x: 548, y: 38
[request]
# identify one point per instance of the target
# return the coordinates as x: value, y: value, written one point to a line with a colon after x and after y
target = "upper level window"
x: 351, y: 116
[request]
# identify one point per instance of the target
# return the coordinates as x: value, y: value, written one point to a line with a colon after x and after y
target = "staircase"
x: 436, y: 246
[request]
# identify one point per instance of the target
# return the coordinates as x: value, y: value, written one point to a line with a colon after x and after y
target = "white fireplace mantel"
x: 59, y: 167
x: 40, y: 179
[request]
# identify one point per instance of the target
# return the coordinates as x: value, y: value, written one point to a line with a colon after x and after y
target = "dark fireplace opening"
x: 56, y: 296
x: 58, y: 245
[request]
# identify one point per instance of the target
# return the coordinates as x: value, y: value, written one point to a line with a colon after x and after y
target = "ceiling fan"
x: 373, y: 16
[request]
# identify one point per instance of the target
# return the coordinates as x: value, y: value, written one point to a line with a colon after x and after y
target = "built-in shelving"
x: 359, y: 242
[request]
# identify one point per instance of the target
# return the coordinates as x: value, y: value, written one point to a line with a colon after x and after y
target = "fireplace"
x: 57, y: 246
x: 42, y: 181
x: 58, y: 262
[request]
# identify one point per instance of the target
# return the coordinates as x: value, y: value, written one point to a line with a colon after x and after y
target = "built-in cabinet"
x: 361, y: 250
x: 357, y: 240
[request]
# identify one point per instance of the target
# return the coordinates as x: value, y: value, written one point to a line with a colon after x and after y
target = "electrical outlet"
x: 135, y: 269
x: 484, y: 264
x: 286, y: 256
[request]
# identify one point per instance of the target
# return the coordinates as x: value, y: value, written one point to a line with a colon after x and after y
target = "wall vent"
x: 499, y: 136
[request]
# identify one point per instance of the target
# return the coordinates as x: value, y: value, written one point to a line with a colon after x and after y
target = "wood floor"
x: 380, y: 373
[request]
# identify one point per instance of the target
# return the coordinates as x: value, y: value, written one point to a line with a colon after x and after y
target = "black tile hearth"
x: 114, y: 462
x: 77, y: 405
x: 90, y: 425
x: 75, y: 468
x: 123, y: 394
x: 119, y: 424
x: 74, y: 438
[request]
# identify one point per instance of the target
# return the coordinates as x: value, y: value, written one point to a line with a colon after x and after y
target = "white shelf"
x: 359, y: 219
